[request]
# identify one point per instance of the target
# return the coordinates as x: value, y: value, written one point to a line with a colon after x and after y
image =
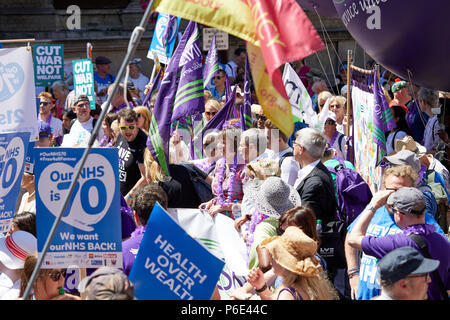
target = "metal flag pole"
x: 132, y: 45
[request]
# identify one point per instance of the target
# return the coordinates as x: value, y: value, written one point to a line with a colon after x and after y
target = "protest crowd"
x: 313, y: 224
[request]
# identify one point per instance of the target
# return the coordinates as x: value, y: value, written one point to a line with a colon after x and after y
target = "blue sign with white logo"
x: 170, y: 265
x: 157, y: 47
x: 13, y: 148
x: 89, y: 233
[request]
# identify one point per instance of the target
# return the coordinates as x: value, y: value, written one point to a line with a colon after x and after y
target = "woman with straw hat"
x: 292, y: 258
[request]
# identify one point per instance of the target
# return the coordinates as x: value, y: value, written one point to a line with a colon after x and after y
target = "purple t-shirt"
x: 130, y: 248
x: 438, y: 246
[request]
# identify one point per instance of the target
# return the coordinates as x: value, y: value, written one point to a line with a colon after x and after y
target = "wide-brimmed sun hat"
x: 408, y: 143
x: 15, y: 248
x: 294, y: 251
x: 272, y: 196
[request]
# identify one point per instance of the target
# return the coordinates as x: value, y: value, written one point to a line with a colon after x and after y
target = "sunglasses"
x: 56, y: 275
x: 218, y: 77
x: 83, y: 105
x: 261, y: 117
x: 210, y: 113
x: 330, y: 122
x: 139, y: 115
x: 335, y: 106
x: 130, y: 126
x: 44, y: 103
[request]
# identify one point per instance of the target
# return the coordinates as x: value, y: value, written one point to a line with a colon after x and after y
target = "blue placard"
x: 13, y: 148
x: 89, y: 233
x: 170, y: 265
x: 156, y: 47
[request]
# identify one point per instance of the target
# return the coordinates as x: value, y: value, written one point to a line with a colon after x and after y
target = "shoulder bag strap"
x: 420, y: 241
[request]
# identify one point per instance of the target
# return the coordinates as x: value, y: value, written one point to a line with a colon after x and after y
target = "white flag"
x: 302, y: 108
x: 17, y: 95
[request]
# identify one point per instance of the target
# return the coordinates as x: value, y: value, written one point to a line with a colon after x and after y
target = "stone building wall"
x: 108, y: 24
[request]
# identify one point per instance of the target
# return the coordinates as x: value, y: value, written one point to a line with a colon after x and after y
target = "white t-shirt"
x: 80, y: 134
x: 56, y: 126
x: 289, y: 170
x: 24, y: 206
x: 8, y: 289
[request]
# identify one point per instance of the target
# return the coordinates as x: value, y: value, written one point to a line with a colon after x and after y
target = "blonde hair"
x: 115, y: 128
x: 400, y: 171
x: 213, y: 103
x: 144, y: 112
x: 153, y: 171
x: 339, y: 99
x: 317, y: 288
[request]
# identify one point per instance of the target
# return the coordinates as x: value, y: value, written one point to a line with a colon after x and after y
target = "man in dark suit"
x: 314, y: 182
x: 316, y: 189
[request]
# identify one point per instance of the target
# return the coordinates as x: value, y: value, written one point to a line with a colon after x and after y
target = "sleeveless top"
x: 292, y: 291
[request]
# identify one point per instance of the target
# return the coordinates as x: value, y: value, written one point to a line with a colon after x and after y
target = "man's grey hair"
x: 431, y: 97
x: 61, y: 85
x: 257, y: 137
x: 312, y: 140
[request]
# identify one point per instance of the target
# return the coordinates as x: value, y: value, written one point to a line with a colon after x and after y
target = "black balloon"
x: 409, y: 38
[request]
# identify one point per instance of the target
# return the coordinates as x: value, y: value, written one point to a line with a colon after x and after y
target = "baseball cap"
x: 15, y: 248
x: 135, y: 61
x: 402, y: 262
x: 80, y: 97
x: 405, y: 157
x: 107, y: 283
x: 102, y: 60
x: 407, y: 199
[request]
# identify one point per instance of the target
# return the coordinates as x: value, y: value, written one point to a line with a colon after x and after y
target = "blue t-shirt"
x: 103, y: 83
x: 382, y: 224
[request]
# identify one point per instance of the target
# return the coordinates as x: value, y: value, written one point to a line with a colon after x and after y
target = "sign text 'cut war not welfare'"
x: 48, y: 63
x: 83, y: 79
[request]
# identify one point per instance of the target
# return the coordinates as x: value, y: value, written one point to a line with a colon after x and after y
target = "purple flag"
x: 216, y: 123
x: 211, y: 63
x: 159, y: 132
x: 166, y: 33
x: 189, y: 98
x: 223, y: 115
x: 155, y: 85
x: 246, y: 107
x: 383, y: 120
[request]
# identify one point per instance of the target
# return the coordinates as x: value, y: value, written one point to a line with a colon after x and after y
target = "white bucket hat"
x: 15, y: 248
x: 272, y: 196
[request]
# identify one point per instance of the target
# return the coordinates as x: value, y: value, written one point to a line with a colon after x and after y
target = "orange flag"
x: 276, y: 31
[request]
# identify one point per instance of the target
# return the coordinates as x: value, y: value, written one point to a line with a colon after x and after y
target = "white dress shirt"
x: 303, y: 172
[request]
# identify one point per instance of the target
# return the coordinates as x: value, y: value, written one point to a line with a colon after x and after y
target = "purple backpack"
x: 353, y: 193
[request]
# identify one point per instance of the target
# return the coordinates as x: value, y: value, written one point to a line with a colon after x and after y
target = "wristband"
x: 128, y: 196
x: 352, y: 269
x: 248, y: 217
x: 351, y: 275
x: 264, y: 287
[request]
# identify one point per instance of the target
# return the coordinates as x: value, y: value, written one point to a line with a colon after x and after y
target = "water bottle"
x: 319, y: 227
x: 236, y: 209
